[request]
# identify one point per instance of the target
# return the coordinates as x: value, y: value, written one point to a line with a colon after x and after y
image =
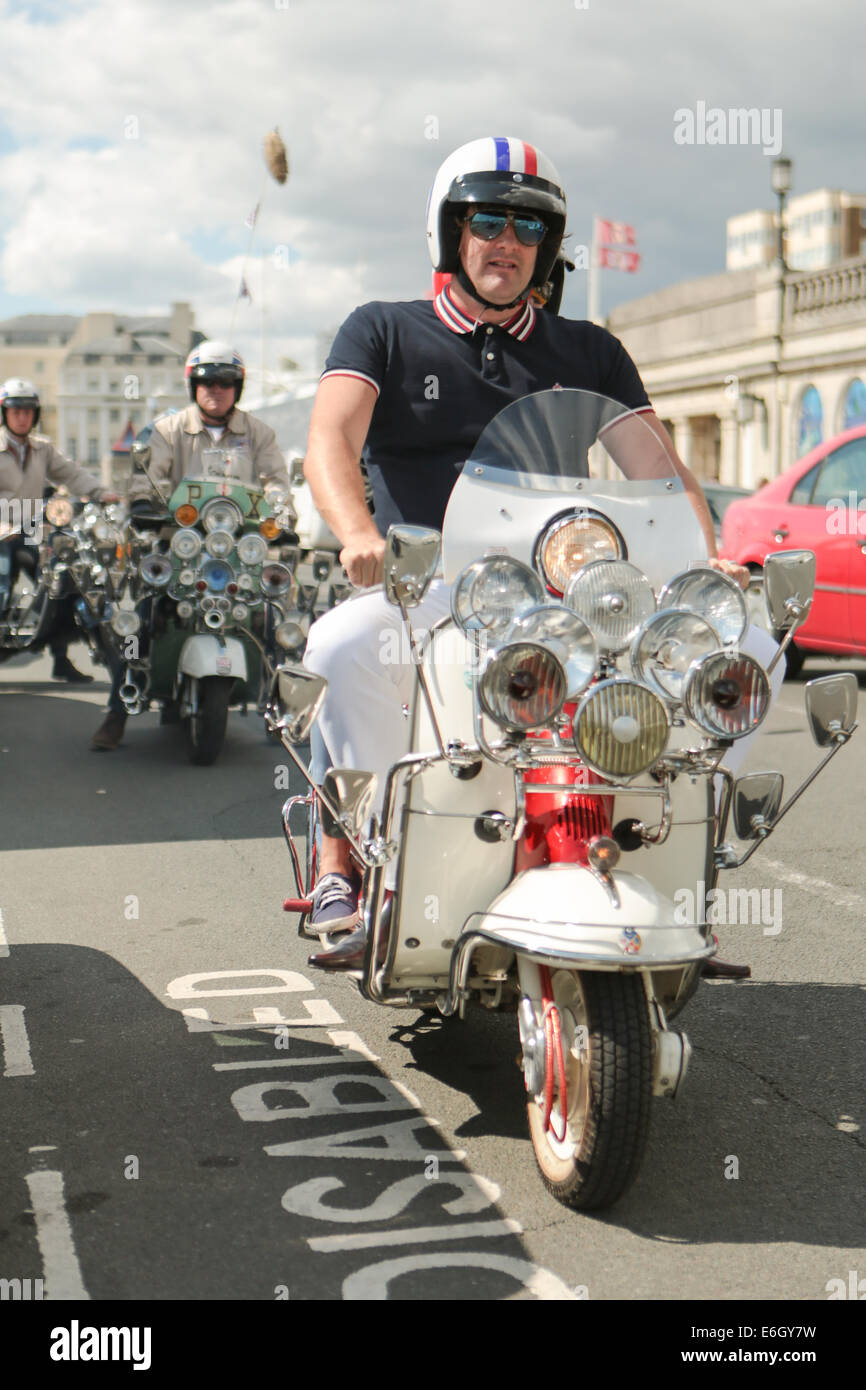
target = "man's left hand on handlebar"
x: 738, y: 573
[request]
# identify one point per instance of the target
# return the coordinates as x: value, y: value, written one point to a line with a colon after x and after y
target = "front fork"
x: 671, y: 1049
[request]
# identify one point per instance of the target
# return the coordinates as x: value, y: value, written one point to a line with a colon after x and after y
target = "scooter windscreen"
x: 565, y: 477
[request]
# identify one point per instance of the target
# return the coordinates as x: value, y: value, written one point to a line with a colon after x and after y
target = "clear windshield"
x: 547, y: 440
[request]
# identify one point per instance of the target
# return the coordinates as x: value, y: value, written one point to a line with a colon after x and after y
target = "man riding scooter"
x: 28, y: 463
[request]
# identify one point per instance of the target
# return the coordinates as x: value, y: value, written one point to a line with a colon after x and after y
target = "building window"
x: 124, y: 357
x: 93, y: 385
x: 157, y: 358
x: 90, y: 358
x: 810, y: 421
x: 854, y: 410
x: 93, y: 451
x: 72, y: 449
x: 39, y: 366
x: 114, y: 416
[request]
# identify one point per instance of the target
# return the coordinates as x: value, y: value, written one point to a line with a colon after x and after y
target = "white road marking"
x: 16, y: 1044
x: 839, y: 897
x: 4, y: 944
x: 320, y: 1014
x: 322, y: 1059
x: 62, y: 1272
x: 419, y: 1235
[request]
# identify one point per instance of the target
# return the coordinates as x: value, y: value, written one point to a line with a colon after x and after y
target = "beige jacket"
x: 179, y: 441
x: 43, y: 464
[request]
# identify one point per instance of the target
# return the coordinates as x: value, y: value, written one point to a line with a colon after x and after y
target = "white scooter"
x: 565, y: 776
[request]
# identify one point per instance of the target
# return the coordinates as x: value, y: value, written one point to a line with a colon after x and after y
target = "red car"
x: 819, y: 504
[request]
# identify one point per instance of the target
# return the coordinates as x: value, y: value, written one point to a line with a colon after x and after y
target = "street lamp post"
x: 781, y: 187
x: 781, y: 180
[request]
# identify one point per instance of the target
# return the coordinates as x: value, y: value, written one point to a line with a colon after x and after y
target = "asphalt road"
x: 189, y: 1112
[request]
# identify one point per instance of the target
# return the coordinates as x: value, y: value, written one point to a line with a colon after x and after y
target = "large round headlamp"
x: 565, y: 634
x: 726, y: 696
x: 220, y: 544
x: 216, y: 574
x: 252, y: 549
x: 714, y: 595
x: 489, y: 593
x: 59, y: 511
x: 571, y: 541
x: 621, y: 728
x: 156, y: 570
x: 221, y: 515
x: 186, y: 544
x: 104, y: 532
x: 667, y: 645
x: 614, y: 598
x: 523, y: 686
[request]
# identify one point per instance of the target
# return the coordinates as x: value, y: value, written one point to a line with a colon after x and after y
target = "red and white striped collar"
x: 520, y: 325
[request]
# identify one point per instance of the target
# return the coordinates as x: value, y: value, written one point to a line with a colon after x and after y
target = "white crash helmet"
x: 215, y: 361
x: 499, y: 170
x: 22, y: 393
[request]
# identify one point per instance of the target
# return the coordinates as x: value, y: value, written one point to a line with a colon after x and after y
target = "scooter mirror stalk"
x: 411, y: 557
x: 831, y: 704
x: 757, y: 799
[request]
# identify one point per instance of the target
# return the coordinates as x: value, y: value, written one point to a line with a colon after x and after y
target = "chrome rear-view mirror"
x: 139, y: 455
x: 301, y: 694
x: 411, y: 557
x: 757, y: 798
x: 351, y: 793
x: 831, y: 704
x: 789, y: 583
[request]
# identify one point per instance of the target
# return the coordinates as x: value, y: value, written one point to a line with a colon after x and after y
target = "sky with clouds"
x: 131, y: 141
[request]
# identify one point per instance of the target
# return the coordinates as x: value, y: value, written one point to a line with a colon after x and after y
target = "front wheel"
x: 590, y: 1154
x: 205, y: 730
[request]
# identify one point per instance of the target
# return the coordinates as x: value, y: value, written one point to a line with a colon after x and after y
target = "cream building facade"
x: 750, y: 368
x: 34, y: 346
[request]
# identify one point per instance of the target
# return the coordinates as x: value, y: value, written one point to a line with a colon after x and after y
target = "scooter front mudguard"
x: 204, y: 655
x: 566, y: 916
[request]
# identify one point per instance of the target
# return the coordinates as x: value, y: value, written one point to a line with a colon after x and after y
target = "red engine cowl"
x: 560, y: 825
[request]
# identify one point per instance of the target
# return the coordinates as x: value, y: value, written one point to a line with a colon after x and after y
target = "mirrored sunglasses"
x: 487, y: 226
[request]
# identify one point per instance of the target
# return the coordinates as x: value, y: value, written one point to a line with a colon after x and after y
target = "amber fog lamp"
x: 572, y: 541
x: 270, y: 528
x: 186, y: 514
x: 603, y: 853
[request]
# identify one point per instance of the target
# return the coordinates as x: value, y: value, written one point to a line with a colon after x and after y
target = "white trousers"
x: 361, y: 649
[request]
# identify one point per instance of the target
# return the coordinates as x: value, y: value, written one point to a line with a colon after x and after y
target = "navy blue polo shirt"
x: 440, y: 378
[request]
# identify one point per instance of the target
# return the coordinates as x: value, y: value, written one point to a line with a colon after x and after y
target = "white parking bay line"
x: 62, y: 1272
x: 4, y: 944
x: 838, y: 896
x: 16, y: 1045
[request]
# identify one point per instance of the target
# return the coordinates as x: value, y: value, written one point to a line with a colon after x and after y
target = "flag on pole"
x: 612, y: 259
x: 251, y: 220
x: 614, y: 233
x: 243, y: 292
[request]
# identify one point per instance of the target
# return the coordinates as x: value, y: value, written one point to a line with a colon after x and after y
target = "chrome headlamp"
x: 59, y: 511
x: 523, y: 686
x: 221, y: 515
x: 276, y: 579
x: 125, y: 622
x: 186, y: 544
x: 565, y: 634
x: 667, y: 645
x: 572, y: 540
x: 252, y: 549
x: 219, y: 544
x: 156, y: 570
x: 614, y: 598
x: 714, y: 596
x: 726, y: 695
x: 489, y: 593
x: 621, y: 728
